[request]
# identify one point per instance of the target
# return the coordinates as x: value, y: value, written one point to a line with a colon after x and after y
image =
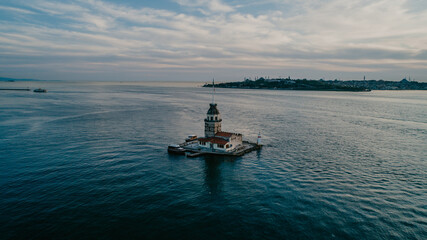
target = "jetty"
x: 15, y: 89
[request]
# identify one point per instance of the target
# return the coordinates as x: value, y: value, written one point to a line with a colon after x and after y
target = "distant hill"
x: 323, y: 85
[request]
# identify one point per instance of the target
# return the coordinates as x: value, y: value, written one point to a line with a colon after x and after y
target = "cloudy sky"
x: 199, y: 39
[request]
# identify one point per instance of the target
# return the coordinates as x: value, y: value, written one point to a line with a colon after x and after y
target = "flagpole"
x: 213, y: 91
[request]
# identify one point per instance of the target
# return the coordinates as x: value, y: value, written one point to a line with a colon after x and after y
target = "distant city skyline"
x: 196, y: 40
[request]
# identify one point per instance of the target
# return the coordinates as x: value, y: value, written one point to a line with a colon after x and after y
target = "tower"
x: 213, y: 118
x: 212, y: 121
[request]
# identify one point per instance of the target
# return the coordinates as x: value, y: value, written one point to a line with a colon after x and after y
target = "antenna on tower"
x: 213, y: 91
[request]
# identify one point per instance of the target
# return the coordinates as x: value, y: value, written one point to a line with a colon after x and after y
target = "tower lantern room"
x: 212, y: 121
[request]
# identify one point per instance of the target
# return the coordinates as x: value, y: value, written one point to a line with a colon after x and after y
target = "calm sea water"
x: 89, y: 160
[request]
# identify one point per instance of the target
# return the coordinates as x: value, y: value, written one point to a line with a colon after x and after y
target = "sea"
x: 88, y: 160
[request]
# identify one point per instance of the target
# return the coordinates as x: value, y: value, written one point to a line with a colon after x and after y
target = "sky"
x: 197, y: 40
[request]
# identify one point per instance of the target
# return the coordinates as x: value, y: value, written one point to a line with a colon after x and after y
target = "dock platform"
x: 193, y: 155
x: 14, y: 89
x: 192, y: 150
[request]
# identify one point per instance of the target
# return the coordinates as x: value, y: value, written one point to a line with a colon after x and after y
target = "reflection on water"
x: 212, y: 170
x: 258, y: 153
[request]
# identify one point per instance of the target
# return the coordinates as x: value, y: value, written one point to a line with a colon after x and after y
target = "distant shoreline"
x: 322, y: 85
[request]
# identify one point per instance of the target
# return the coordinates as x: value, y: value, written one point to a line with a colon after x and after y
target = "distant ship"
x: 216, y: 141
x: 40, y: 90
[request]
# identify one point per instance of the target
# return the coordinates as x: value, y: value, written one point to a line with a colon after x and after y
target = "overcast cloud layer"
x: 200, y: 39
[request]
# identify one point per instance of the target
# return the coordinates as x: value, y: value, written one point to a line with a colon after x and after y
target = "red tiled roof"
x: 214, y: 140
x: 224, y: 134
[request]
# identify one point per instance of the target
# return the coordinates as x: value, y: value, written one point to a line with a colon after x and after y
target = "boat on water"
x: 191, y: 138
x: 176, y: 149
x: 40, y: 90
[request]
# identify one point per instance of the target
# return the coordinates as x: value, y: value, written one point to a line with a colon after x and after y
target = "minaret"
x: 213, y: 117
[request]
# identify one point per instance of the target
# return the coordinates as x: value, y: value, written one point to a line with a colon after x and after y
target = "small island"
x: 322, y: 85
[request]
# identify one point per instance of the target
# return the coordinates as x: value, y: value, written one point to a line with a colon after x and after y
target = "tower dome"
x: 213, y: 110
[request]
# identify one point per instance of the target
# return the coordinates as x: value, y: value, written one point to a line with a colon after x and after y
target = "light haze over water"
x: 89, y: 160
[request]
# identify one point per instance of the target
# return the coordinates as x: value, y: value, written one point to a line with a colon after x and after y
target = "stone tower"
x: 213, y: 121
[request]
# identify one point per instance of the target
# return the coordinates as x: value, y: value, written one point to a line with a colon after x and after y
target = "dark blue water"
x: 89, y: 161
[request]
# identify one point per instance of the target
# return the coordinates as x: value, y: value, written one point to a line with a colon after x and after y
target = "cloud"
x: 209, y: 5
x: 340, y: 36
x: 13, y: 9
